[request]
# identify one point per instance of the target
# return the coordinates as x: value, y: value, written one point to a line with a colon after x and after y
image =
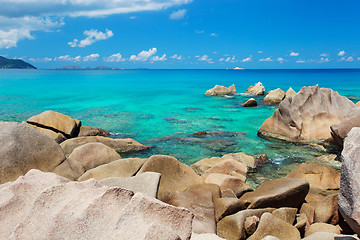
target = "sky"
x: 182, y: 34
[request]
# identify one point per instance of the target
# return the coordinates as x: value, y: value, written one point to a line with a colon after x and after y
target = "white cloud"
x: 324, y: 59
x: 358, y: 58
x: 350, y: 59
x: 180, y: 14
x: 132, y: 17
x: 280, y: 59
x: 205, y: 58
x: 143, y: 55
x: 213, y: 35
x: 341, y: 53
x: 228, y: 59
x: 115, y: 58
x: 157, y: 58
x: 324, y: 55
x: 268, y: 59
x: 68, y: 58
x: 294, y: 54
x: 93, y: 35
x: 199, y: 31
x: 44, y: 59
x: 91, y: 57
x: 300, y: 61
x: 248, y: 59
x: 175, y: 56
x: 260, y: 52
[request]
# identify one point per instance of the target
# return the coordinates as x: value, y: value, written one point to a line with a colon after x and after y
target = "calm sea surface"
x: 162, y: 108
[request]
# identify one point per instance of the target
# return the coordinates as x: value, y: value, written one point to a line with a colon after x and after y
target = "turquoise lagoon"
x: 162, y: 108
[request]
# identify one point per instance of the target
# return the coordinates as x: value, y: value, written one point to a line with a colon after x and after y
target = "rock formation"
x: 274, y: 96
x: 257, y: 89
x: 221, y: 90
x: 250, y: 103
x: 339, y: 131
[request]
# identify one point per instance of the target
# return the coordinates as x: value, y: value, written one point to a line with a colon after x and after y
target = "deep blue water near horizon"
x: 162, y: 108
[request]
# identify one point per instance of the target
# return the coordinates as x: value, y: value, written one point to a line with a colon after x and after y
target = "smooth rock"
x: 205, y: 236
x: 307, y: 116
x: 175, y: 176
x: 226, y: 206
x: 86, y: 131
x: 57, y: 122
x: 302, y: 223
x: 23, y: 148
x: 274, y: 96
x: 327, y: 210
x: 339, y: 131
x: 120, y: 145
x: 56, y: 136
x: 290, y: 93
x: 230, y: 167
x: 199, y: 200
x: 349, y: 195
x: 358, y: 104
x: 257, y: 89
x: 329, y: 236
x: 309, y: 211
x: 221, y: 90
x: 271, y: 225
x: 232, y: 226
x: 322, y: 227
x: 122, y: 168
x: 92, y: 155
x: 250, y: 103
x: 146, y: 183
x: 283, y: 192
x: 318, y: 176
x: 286, y: 214
x: 251, y: 224
x: 70, y: 169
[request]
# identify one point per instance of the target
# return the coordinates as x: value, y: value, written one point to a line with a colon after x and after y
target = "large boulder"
x: 327, y: 210
x: 56, y: 136
x: 86, y: 131
x: 47, y: 206
x: 175, y: 176
x: 71, y: 169
x: 274, y: 96
x: 221, y: 90
x: 349, y: 195
x: 250, y: 103
x: 318, y: 176
x: 283, y: 192
x: 307, y: 116
x: 120, y: 145
x: 23, y: 148
x: 290, y: 93
x: 229, y: 166
x: 91, y: 155
x: 339, y: 131
x: 57, y: 122
x: 122, y: 168
x: 322, y: 227
x: 257, y: 89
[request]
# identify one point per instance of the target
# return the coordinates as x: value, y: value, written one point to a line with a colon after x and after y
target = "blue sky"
x: 182, y: 33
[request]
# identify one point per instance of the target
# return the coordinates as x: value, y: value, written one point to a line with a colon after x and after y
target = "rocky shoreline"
x: 62, y: 180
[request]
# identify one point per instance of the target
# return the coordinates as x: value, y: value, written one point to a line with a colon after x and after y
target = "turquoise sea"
x: 162, y: 108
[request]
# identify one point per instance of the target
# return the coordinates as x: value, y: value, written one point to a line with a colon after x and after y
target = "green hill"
x: 14, y: 64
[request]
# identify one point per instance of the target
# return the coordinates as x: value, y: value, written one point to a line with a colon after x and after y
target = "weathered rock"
x: 290, y: 92
x: 358, y: 104
x: 283, y: 192
x: 330, y: 160
x: 47, y: 206
x: 86, y: 131
x: 307, y: 116
x: 122, y: 168
x: 339, y: 131
x: 251, y: 224
x: 221, y: 90
x: 56, y: 136
x: 146, y: 183
x: 250, y: 103
x: 230, y: 167
x: 175, y: 176
x: 200, y: 133
x: 205, y: 164
x: 227, y: 182
x: 91, y: 155
x: 120, y: 145
x: 57, y: 122
x: 329, y: 236
x: 225, y: 206
x: 23, y: 148
x: 199, y: 200
x: 70, y: 169
x: 232, y: 226
x: 318, y: 176
x: 322, y: 227
x: 349, y: 194
x: 286, y: 214
x: 302, y: 223
x: 271, y: 225
x: 274, y: 96
x: 257, y: 89
x: 205, y: 236
x: 309, y: 211
x: 327, y: 210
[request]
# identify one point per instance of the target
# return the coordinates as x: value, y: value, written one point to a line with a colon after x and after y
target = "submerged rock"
x: 257, y: 89
x: 250, y: 103
x: 274, y: 96
x: 349, y: 195
x: 307, y: 116
x: 221, y: 90
x: 23, y: 148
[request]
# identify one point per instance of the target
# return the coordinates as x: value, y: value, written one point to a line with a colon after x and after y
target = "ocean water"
x: 162, y: 108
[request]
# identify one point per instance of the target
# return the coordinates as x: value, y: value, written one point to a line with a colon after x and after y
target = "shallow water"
x: 162, y: 108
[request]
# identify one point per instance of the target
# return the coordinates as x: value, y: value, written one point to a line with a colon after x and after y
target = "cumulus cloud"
x: 115, y: 58
x: 143, y: 55
x: 180, y: 14
x: 294, y: 54
x: 341, y: 53
x: 280, y: 59
x: 349, y: 59
x: 324, y: 55
x: 260, y: 52
x: 68, y: 58
x: 93, y: 35
x: 205, y: 58
x: 300, y: 61
x: 157, y: 58
x: 228, y: 59
x: 248, y: 59
x: 91, y: 57
x: 268, y: 59
x: 213, y: 35
x: 324, y: 59
x: 44, y: 59
x: 175, y: 56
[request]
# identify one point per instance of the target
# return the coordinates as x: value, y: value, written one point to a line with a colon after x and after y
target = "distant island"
x: 77, y: 67
x: 6, y: 63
